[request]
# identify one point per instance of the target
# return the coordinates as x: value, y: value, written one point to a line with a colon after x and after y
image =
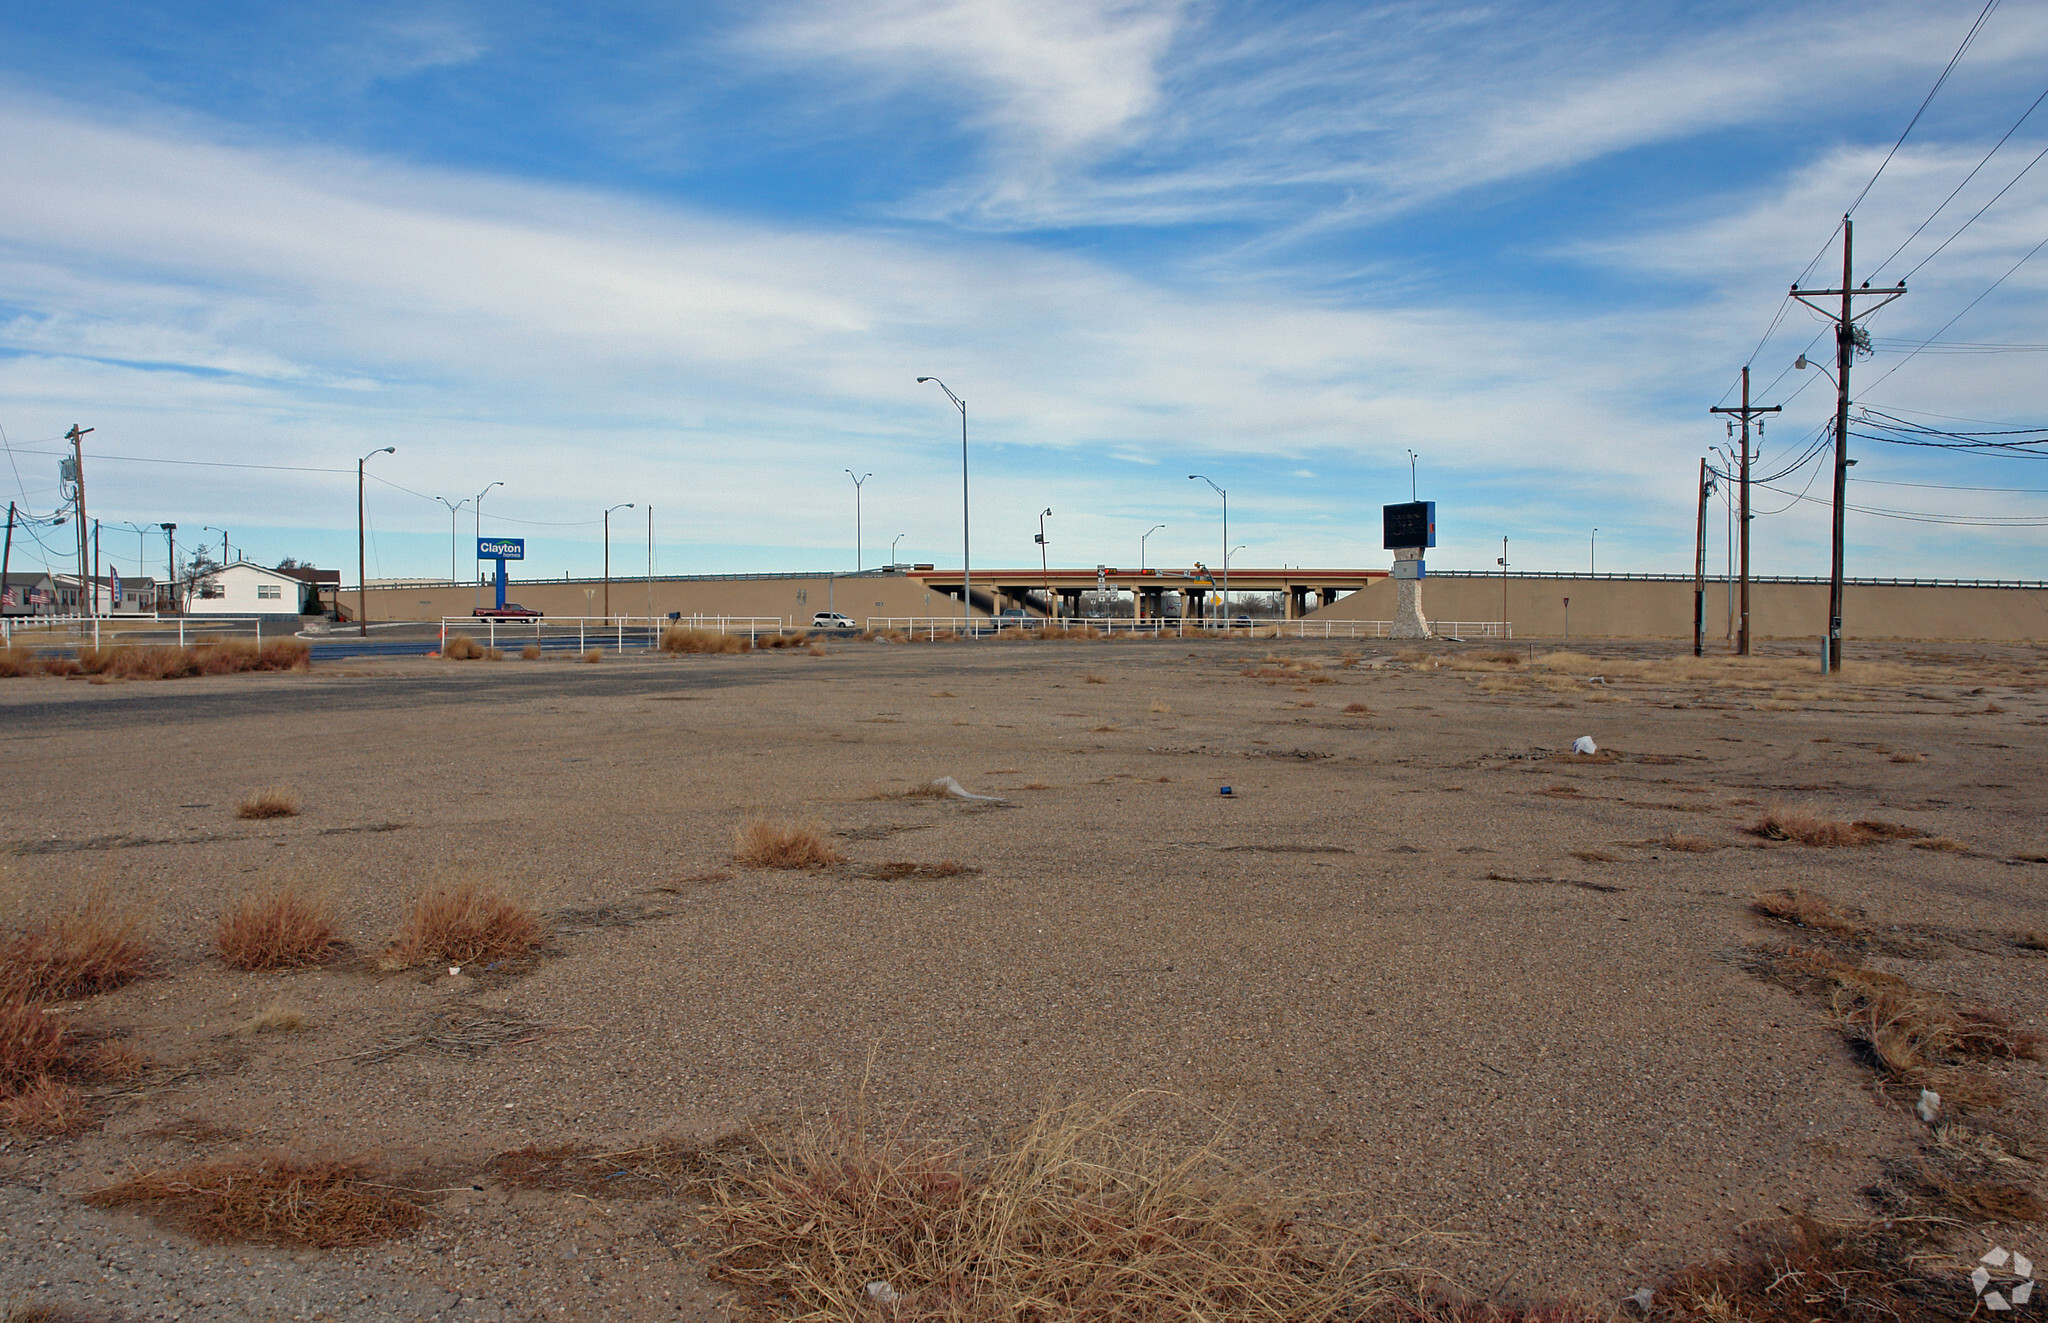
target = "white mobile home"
x: 247, y: 589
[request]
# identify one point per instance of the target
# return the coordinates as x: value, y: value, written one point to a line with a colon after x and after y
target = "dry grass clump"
x: 1782, y: 824
x: 1808, y: 909
x: 531, y: 652
x: 1968, y: 1196
x: 1075, y: 1219
x: 922, y: 790
x: 687, y: 639
x: 765, y: 843
x: 318, y: 1203
x: 1681, y: 843
x: 2031, y: 939
x: 1357, y: 710
x: 127, y: 662
x: 33, y: 1045
x: 1092, y: 678
x: 1907, y: 758
x: 275, y: 802
x: 94, y: 949
x: 462, y: 648
x: 591, y: 656
x: 896, y: 869
x: 44, y: 1106
x: 1947, y: 844
x: 276, y: 1018
x: 1048, y: 632
x: 1914, y: 1039
x: 279, y: 929
x: 1804, y: 1270
x: 466, y: 923
x: 1878, y: 829
x: 772, y: 642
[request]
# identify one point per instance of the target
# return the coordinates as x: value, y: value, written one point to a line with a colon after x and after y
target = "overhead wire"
x: 1927, y: 101
x: 1915, y: 353
x: 1959, y: 188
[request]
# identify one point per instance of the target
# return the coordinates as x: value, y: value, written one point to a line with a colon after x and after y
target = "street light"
x: 362, y: 563
x: 856, y: 515
x: 209, y: 528
x: 892, y: 546
x: 1503, y: 562
x: 1044, y: 574
x: 608, y: 559
x: 1593, y: 554
x: 1411, y: 475
x: 966, y: 541
x: 476, y: 593
x: 1803, y: 362
x: 171, y: 560
x: 453, y: 545
x: 1141, y: 545
x: 1226, y: 544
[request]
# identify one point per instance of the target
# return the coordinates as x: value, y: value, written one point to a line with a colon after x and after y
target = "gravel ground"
x: 1422, y: 968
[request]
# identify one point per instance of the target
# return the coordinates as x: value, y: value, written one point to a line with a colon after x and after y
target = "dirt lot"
x: 1459, y: 989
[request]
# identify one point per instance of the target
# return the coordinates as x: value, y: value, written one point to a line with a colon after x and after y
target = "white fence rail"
x: 986, y: 626
x: 73, y: 631
x: 620, y: 632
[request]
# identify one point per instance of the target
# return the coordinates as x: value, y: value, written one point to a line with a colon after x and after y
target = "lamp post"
x: 1044, y: 574
x: 476, y: 592
x: 453, y: 545
x: 1141, y: 545
x: 1226, y: 544
x: 1504, y: 586
x: 857, y: 481
x: 362, y: 562
x: 1411, y: 475
x: 209, y: 528
x: 966, y: 541
x: 608, y: 559
x: 892, y: 546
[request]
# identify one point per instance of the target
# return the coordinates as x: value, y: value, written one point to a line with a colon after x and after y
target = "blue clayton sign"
x: 501, y: 549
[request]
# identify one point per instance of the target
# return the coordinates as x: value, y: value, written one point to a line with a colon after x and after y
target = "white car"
x: 832, y: 620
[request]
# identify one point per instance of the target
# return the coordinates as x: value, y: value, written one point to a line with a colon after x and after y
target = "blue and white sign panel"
x: 501, y: 548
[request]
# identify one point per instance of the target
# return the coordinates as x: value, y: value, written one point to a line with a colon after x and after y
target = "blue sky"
x: 695, y: 256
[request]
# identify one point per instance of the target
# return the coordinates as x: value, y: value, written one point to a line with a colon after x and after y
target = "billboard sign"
x: 501, y: 548
x: 1412, y: 524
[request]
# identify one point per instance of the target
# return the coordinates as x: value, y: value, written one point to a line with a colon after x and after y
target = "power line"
x: 1959, y: 188
x: 1953, y: 60
x: 1959, y: 316
x: 1980, y: 211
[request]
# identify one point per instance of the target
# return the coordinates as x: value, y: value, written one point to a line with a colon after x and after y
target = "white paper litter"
x: 883, y: 1292
x: 1930, y: 1107
x: 958, y: 791
x: 1584, y: 744
x: 1643, y: 1296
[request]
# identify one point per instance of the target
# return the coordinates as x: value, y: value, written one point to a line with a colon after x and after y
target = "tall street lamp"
x: 1226, y: 543
x: 209, y: 528
x: 857, y: 481
x: 1593, y: 554
x: 362, y: 561
x: 453, y: 544
x: 171, y: 560
x: 892, y: 546
x: 1141, y: 545
x: 1044, y: 574
x: 966, y: 541
x: 1411, y: 476
x: 608, y: 559
x: 476, y: 593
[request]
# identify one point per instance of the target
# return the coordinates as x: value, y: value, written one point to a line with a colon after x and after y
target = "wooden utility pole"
x: 1699, y: 569
x: 1846, y: 338
x: 76, y: 437
x: 1745, y: 413
x: 7, y: 555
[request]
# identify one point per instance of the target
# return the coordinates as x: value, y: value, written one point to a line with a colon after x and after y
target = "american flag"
x: 8, y: 598
x: 39, y: 597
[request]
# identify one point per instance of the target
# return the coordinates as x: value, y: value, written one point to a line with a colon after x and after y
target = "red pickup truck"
x: 509, y: 611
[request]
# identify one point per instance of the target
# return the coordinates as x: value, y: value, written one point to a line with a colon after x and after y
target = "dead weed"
x: 765, y: 843
x: 318, y: 1203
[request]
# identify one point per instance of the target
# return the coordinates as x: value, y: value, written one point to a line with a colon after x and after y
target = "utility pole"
x: 1044, y: 574
x: 76, y: 436
x: 1746, y: 412
x: 362, y: 562
x: 95, y: 585
x: 171, y: 562
x: 1503, y: 587
x: 1848, y: 336
x: 1699, y: 568
x: 7, y: 553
